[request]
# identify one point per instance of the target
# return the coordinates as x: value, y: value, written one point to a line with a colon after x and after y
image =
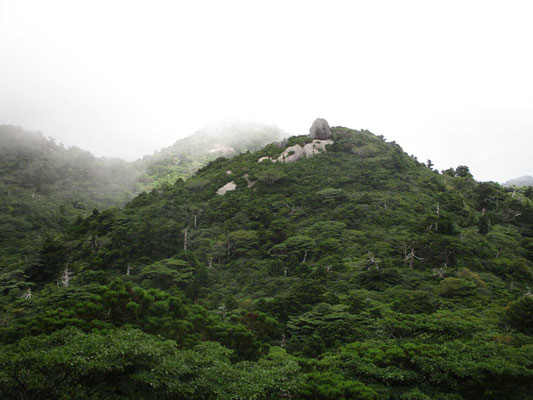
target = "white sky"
x: 449, y: 80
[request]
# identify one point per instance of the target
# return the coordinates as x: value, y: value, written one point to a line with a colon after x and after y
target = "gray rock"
x: 320, y: 129
x: 226, y: 188
x: 283, y: 143
x: 266, y: 158
x: 318, y: 146
x: 291, y: 154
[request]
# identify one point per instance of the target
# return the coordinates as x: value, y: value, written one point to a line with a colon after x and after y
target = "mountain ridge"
x: 522, y: 181
x: 358, y: 272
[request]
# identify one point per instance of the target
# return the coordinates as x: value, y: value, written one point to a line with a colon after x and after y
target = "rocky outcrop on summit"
x: 320, y: 130
x: 291, y: 154
x: 317, y: 146
x: 297, y: 152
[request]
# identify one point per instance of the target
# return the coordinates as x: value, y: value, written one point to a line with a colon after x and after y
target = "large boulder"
x: 226, y: 188
x: 318, y: 146
x: 320, y: 130
x: 291, y: 154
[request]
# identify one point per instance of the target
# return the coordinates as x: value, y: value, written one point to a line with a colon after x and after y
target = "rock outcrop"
x: 320, y: 130
x: 291, y: 154
x: 318, y: 146
x: 297, y: 152
x: 226, y: 188
x: 266, y: 158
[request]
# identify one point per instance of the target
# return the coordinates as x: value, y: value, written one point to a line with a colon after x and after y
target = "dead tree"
x: 410, y: 258
x: 185, y: 238
x: 66, y: 277
x: 196, y: 211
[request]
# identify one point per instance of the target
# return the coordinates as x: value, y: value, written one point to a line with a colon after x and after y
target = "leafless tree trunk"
x: 185, y: 238
x: 411, y: 258
x: 66, y: 277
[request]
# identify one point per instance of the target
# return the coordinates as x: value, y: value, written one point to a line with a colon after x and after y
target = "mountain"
x: 44, y: 185
x: 187, y: 155
x: 308, y: 269
x: 520, y: 182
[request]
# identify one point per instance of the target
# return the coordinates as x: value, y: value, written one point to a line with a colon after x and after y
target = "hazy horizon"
x: 451, y: 82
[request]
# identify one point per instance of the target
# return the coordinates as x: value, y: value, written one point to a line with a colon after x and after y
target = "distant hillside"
x: 43, y: 185
x: 525, y: 180
x: 187, y: 155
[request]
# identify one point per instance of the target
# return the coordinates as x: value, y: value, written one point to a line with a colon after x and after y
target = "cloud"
x: 445, y: 80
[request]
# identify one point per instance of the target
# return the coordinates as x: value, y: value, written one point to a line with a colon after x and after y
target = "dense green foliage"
x: 44, y: 185
x: 359, y: 273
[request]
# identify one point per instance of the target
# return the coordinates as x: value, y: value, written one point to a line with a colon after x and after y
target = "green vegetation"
x: 359, y: 273
x: 44, y: 186
x: 186, y: 156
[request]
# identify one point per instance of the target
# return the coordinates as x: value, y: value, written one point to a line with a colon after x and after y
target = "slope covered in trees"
x: 359, y: 273
x: 43, y: 185
x: 187, y: 155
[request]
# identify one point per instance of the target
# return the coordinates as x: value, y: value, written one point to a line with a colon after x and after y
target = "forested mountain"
x: 43, y: 185
x: 354, y: 272
x: 187, y: 155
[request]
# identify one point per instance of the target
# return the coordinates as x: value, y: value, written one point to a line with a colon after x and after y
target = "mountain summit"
x: 525, y: 180
x: 357, y: 273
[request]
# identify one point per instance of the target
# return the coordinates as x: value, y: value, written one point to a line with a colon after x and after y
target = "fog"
x: 449, y: 81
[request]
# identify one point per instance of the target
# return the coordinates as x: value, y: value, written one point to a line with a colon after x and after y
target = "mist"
x: 449, y: 82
